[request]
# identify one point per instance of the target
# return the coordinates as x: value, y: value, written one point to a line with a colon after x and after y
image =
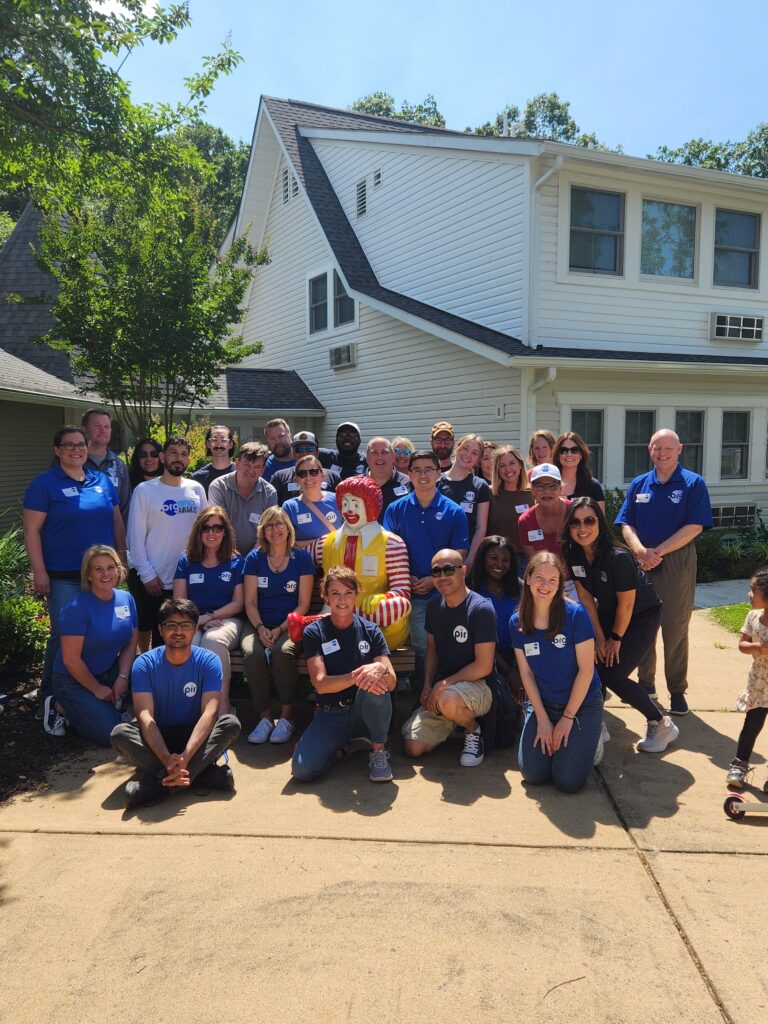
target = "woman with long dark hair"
x: 572, y: 457
x: 145, y: 462
x: 624, y: 608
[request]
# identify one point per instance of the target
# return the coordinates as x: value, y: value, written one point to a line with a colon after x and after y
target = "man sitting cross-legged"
x: 176, y: 690
x: 461, y: 643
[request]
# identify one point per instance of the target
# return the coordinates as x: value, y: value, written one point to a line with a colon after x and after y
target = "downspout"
x: 528, y: 412
x: 533, y: 262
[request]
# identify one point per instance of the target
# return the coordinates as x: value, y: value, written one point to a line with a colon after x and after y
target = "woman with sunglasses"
x: 470, y: 492
x: 98, y: 645
x: 210, y: 573
x: 554, y: 645
x: 314, y: 513
x: 145, y: 464
x: 403, y: 449
x: 278, y: 579
x: 540, y: 446
x: 624, y: 608
x: 571, y: 456
x: 485, y: 469
x: 67, y: 509
x: 510, y: 497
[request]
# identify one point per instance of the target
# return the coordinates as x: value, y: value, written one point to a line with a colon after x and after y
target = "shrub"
x: 731, y: 554
x: 24, y: 628
x: 614, y: 499
x: 14, y: 565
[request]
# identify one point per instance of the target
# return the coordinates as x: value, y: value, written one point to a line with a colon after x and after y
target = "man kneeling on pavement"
x: 177, y: 738
x: 461, y: 643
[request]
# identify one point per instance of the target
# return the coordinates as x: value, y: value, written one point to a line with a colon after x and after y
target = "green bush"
x: 731, y: 554
x: 614, y: 499
x: 24, y: 631
x: 14, y: 565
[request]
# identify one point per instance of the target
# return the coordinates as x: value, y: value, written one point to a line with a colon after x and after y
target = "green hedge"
x: 24, y: 630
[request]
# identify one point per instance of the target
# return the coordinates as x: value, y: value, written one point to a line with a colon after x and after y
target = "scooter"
x: 737, y: 806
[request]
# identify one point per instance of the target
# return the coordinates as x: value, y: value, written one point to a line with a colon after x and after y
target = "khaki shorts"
x: 427, y: 727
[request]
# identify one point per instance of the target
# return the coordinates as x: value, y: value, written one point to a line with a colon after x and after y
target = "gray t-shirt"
x: 245, y: 513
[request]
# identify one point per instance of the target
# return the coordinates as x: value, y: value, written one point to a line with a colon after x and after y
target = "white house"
x: 506, y: 284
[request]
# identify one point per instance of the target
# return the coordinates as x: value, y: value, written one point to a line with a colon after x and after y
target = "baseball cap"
x: 545, y: 469
x: 348, y: 423
x: 304, y: 437
x: 443, y: 425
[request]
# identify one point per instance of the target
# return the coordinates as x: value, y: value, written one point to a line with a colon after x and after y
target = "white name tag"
x: 304, y: 517
x: 531, y: 649
x: 197, y: 577
x: 535, y: 535
x: 263, y: 581
x: 468, y: 506
x: 370, y: 565
x: 580, y: 571
x: 293, y: 486
x: 70, y: 492
x: 521, y: 508
x: 255, y: 518
x: 401, y: 490
x: 330, y: 646
x: 642, y: 499
x: 123, y: 611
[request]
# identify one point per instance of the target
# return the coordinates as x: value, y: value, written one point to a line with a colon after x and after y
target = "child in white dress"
x: 754, y: 697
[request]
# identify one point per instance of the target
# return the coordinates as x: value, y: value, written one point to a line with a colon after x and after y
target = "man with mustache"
x: 220, y: 445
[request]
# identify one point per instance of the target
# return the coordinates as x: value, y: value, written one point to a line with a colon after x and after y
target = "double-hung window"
x: 689, y: 427
x: 342, y: 308
x: 737, y: 247
x: 588, y: 424
x: 668, y: 245
x: 597, y: 231
x: 639, y: 428
x: 734, y: 454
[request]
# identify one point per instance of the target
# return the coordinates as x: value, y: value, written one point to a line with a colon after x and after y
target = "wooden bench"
x: 403, y: 659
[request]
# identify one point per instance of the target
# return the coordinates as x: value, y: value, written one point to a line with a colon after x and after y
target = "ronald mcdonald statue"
x: 378, y: 557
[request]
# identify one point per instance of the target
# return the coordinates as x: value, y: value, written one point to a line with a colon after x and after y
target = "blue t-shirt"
x: 655, y: 510
x: 442, y: 524
x: 77, y: 515
x: 177, y: 690
x: 105, y: 626
x: 505, y: 608
x: 306, y: 524
x: 272, y: 466
x: 553, y: 659
x: 343, y: 650
x: 210, y: 587
x: 278, y: 592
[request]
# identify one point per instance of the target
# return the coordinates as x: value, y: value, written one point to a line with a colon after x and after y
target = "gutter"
x: 533, y: 260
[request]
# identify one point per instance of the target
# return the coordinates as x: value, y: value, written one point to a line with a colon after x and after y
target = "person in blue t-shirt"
x: 555, y: 648
x: 314, y: 512
x: 210, y: 573
x: 428, y: 522
x: 348, y: 662
x: 67, y: 509
x: 176, y: 691
x: 494, y: 576
x: 99, y: 629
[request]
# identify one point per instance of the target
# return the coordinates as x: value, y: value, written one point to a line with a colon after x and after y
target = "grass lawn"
x: 731, y: 616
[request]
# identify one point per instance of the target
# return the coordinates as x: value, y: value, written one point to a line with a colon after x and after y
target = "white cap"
x: 545, y: 469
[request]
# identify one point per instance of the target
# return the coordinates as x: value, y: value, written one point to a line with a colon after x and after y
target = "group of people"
x: 501, y: 569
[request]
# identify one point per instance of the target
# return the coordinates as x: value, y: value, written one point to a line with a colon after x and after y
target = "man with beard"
x: 278, y: 437
x: 345, y: 459
x: 161, y: 516
x: 220, y: 445
x: 381, y: 468
x: 442, y: 440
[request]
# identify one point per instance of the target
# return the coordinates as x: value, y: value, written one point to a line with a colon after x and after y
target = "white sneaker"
x: 262, y: 732
x: 605, y: 736
x: 53, y: 720
x: 599, y: 751
x: 659, y: 736
x: 474, y: 750
x: 282, y: 732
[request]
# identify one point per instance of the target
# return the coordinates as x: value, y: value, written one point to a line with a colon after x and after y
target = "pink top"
x: 534, y: 537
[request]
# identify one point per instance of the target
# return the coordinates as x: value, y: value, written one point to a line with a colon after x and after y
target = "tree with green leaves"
x: 545, y: 116
x: 227, y: 162
x: 381, y: 104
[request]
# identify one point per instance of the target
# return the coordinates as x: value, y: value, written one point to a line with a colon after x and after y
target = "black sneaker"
x: 474, y: 750
x: 53, y: 720
x: 678, y: 705
x: 216, y: 776
x: 143, y: 792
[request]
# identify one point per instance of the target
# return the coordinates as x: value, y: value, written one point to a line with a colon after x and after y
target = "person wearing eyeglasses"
x: 541, y: 527
x: 67, y: 509
x: 402, y: 448
x: 441, y: 440
x: 210, y: 573
x: 315, y: 512
x: 625, y: 611
x: 381, y: 467
x: 461, y: 644
x: 179, y: 734
x: 220, y: 447
x: 571, y: 456
x: 98, y: 644
x: 145, y: 464
x: 284, y: 480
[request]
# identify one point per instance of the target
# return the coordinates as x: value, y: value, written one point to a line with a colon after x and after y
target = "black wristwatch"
x: 615, y: 636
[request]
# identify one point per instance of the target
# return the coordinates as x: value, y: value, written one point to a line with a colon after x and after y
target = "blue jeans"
x: 571, y: 766
x: 94, y: 719
x: 61, y: 592
x: 368, y: 715
x: 418, y: 634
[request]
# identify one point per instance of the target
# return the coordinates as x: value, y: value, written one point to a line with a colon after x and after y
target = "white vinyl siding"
x: 447, y: 228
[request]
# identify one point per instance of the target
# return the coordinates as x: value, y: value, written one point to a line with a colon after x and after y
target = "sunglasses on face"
x: 444, y: 570
x: 586, y: 521
x: 569, y: 451
x: 304, y: 449
x: 212, y: 528
x: 545, y: 487
x: 149, y: 455
x: 302, y: 474
x: 405, y: 452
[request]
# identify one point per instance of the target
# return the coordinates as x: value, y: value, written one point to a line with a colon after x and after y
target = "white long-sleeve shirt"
x: 159, y: 522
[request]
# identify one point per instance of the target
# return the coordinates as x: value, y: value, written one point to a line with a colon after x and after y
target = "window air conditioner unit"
x: 343, y: 355
x: 735, y: 327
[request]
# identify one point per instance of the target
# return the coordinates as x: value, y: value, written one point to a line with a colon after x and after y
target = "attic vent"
x: 286, y: 185
x: 343, y: 355
x: 730, y: 326
x: 294, y: 186
x: 362, y: 197
x: 377, y: 176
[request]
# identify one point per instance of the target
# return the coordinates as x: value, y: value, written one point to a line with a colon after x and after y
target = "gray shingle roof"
x: 267, y: 390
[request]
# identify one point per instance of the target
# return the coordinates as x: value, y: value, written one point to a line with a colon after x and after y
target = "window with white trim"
x: 689, y: 427
x: 737, y: 248
x: 343, y: 304
x: 329, y: 310
x: 734, y: 453
x: 588, y: 424
x: 639, y: 428
x: 597, y: 231
x: 318, y: 303
x: 668, y: 244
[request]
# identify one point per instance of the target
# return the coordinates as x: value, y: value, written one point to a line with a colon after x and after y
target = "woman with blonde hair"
x: 540, y: 446
x: 99, y: 628
x: 403, y: 448
x: 278, y: 579
x: 510, y: 497
x: 471, y: 492
x: 210, y: 573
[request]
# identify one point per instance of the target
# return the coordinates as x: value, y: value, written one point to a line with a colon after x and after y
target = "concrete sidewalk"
x: 452, y: 895
x: 715, y: 595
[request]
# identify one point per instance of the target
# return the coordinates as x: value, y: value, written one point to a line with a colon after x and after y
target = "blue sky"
x: 637, y: 74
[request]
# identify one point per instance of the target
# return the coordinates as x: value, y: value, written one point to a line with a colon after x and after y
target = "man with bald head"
x: 461, y: 644
x: 663, y: 513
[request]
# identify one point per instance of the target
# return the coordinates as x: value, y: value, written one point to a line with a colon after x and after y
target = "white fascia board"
x: 250, y: 410
x: 247, y: 183
x: 476, y: 143
x: 649, y: 363
x: 34, y: 397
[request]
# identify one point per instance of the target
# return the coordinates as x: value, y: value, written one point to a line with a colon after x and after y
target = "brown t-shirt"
x: 506, y: 509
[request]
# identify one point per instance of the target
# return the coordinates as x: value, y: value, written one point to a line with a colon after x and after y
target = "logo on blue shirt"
x: 190, y: 689
x: 676, y: 497
x: 560, y: 640
x: 364, y: 647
